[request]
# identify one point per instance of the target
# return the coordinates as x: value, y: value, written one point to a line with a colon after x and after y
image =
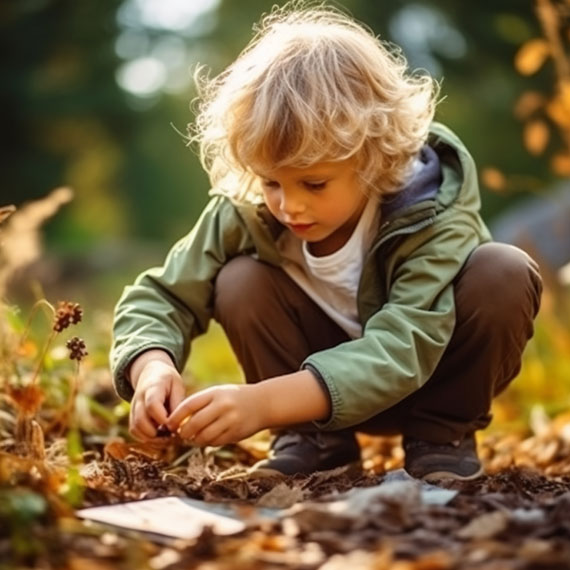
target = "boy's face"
x: 320, y: 204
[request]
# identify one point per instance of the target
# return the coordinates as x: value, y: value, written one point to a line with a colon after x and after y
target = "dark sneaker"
x: 431, y: 461
x: 305, y: 452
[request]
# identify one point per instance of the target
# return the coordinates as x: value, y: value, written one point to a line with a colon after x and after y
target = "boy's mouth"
x: 300, y: 228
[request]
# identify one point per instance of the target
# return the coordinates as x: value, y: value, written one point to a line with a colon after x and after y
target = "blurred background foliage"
x: 94, y: 94
x: 96, y: 97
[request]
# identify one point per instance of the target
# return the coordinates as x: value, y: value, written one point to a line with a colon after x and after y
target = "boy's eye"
x: 315, y: 185
x: 270, y: 183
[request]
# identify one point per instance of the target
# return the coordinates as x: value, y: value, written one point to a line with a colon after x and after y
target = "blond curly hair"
x: 312, y: 85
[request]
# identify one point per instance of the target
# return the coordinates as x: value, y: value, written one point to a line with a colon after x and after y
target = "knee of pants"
x: 500, y: 283
x: 240, y: 289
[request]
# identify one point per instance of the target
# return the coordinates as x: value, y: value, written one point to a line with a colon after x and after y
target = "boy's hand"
x: 158, y: 389
x: 219, y: 415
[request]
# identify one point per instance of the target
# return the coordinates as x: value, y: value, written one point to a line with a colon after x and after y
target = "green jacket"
x: 405, y: 298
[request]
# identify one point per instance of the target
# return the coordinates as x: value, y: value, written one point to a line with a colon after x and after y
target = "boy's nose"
x: 291, y: 204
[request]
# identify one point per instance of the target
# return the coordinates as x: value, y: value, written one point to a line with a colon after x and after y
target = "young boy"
x: 343, y: 253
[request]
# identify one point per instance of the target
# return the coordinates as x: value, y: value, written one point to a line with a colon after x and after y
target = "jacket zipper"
x: 402, y: 231
x: 412, y: 228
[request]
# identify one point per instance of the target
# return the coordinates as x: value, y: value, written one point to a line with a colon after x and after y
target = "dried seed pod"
x: 67, y: 314
x: 77, y: 349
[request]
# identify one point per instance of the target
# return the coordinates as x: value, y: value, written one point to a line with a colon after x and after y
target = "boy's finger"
x: 141, y: 422
x: 176, y: 395
x: 137, y: 434
x: 156, y: 411
x: 223, y: 438
x: 197, y: 422
x: 210, y: 433
x: 187, y: 407
x: 155, y: 398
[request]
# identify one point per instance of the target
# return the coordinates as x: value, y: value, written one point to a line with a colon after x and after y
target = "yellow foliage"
x: 536, y: 135
x: 212, y: 360
x: 561, y: 163
x: 494, y: 179
x: 531, y: 56
x: 558, y: 108
x: 545, y: 374
x: 528, y: 103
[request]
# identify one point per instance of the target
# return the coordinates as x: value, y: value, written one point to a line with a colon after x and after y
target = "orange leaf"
x: 559, y: 108
x: 561, y: 164
x: 536, y: 135
x: 117, y: 449
x: 494, y: 179
x: 531, y: 55
x: 28, y: 349
x: 27, y: 399
x: 528, y: 103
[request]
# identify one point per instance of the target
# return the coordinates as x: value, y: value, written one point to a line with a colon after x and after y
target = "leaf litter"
x: 515, y: 517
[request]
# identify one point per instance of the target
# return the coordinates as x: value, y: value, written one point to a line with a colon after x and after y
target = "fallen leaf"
x: 281, y: 497
x: 484, y: 526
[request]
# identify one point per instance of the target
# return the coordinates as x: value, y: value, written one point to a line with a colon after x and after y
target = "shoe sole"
x: 437, y: 475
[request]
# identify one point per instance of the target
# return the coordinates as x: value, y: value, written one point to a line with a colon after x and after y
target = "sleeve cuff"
x: 121, y: 382
x: 334, y: 397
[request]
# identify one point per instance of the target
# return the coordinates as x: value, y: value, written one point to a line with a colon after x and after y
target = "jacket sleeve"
x: 402, y: 342
x: 168, y: 306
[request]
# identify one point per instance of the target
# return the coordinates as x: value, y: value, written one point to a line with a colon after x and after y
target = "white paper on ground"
x: 171, y: 516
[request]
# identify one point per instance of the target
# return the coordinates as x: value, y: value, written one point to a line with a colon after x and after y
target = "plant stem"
x: 40, y: 303
x: 42, y: 356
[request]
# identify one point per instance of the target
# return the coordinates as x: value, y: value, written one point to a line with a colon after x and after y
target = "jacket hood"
x: 423, y: 184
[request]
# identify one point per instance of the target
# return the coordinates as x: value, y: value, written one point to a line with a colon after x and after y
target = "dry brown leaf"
x: 536, y: 135
x: 120, y: 449
x: 535, y: 549
x: 281, y: 497
x: 484, y: 526
x: 116, y: 449
x: 531, y: 56
x: 438, y: 560
x: 26, y: 399
x: 83, y: 563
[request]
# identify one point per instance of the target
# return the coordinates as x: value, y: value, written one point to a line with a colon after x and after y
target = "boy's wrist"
x: 140, y: 361
x: 280, y: 403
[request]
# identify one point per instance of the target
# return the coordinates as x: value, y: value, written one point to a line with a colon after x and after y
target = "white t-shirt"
x: 331, y: 281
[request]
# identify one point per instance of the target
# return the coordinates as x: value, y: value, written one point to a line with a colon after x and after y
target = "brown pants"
x: 273, y: 326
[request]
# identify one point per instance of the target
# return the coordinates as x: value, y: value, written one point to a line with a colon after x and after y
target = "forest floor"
x: 514, y: 517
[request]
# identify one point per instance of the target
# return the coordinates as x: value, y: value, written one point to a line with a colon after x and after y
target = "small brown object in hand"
x: 163, y: 431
